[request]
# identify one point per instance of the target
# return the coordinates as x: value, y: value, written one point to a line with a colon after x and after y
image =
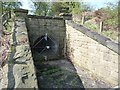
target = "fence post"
x: 83, y: 19
x: 1, y: 8
x: 1, y: 26
x: 101, y: 26
x: 9, y: 14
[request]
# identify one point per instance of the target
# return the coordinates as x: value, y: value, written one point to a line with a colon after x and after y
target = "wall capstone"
x: 21, y: 13
x: 66, y: 16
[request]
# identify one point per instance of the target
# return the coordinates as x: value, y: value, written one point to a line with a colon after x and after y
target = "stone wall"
x: 55, y: 29
x: 94, y: 52
x: 19, y: 72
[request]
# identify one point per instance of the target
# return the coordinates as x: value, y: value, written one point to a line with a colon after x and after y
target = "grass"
x: 113, y: 35
x: 54, y: 76
x: 8, y: 27
x: 91, y: 26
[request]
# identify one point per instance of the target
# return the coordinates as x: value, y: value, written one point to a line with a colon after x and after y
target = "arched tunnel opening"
x: 45, y: 46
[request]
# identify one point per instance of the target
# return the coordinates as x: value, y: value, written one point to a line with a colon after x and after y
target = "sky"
x: 99, y: 3
x: 96, y: 4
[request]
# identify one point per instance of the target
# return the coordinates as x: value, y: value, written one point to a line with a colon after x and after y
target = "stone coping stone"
x: 97, y: 37
x: 21, y: 10
x: 65, y: 14
x: 44, y: 17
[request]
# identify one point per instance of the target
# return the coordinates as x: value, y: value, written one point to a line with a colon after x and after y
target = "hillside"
x: 109, y: 17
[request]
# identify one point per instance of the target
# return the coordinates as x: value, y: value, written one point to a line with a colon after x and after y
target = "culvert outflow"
x: 45, y: 45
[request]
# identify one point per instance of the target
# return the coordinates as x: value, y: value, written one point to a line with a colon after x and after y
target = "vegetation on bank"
x: 109, y: 16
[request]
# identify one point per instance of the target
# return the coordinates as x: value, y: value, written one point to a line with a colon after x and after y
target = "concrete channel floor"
x: 62, y: 74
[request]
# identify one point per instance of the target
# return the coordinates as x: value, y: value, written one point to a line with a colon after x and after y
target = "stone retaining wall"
x: 94, y: 52
x: 19, y: 72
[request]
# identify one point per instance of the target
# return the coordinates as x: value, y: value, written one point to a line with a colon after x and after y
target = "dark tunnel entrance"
x: 48, y: 46
x: 53, y: 73
x: 45, y: 46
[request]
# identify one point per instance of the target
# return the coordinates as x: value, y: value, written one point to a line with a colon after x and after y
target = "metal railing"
x: 3, y: 20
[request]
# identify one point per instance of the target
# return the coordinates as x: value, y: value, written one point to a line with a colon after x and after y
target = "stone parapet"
x: 94, y: 52
x: 97, y: 37
x: 19, y: 72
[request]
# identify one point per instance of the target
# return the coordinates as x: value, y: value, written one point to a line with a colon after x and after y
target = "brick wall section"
x: 94, y: 52
x: 53, y: 26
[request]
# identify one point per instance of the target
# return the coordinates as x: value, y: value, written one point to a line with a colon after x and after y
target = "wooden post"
x: 1, y: 26
x: 83, y: 19
x: 1, y: 8
x: 101, y: 26
x: 9, y: 14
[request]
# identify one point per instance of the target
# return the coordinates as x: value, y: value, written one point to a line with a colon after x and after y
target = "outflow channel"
x: 53, y: 73
x: 57, y: 74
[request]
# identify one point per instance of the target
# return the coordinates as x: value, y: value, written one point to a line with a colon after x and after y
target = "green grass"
x: 109, y: 33
x: 91, y: 26
x: 8, y: 27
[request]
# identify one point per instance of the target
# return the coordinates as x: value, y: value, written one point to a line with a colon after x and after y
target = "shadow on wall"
x: 11, y: 78
x: 12, y: 61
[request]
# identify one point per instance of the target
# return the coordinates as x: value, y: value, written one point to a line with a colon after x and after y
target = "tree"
x: 5, y: 6
x: 56, y: 7
x: 11, y: 5
x: 41, y: 8
x: 110, y: 16
x: 74, y: 7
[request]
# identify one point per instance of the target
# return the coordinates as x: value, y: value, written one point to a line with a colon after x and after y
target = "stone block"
x: 101, y: 39
x: 21, y: 13
x: 114, y: 46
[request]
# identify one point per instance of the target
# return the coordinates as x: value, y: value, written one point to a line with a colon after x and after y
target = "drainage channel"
x: 47, y: 41
x: 53, y: 73
x: 57, y: 74
x: 47, y: 50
